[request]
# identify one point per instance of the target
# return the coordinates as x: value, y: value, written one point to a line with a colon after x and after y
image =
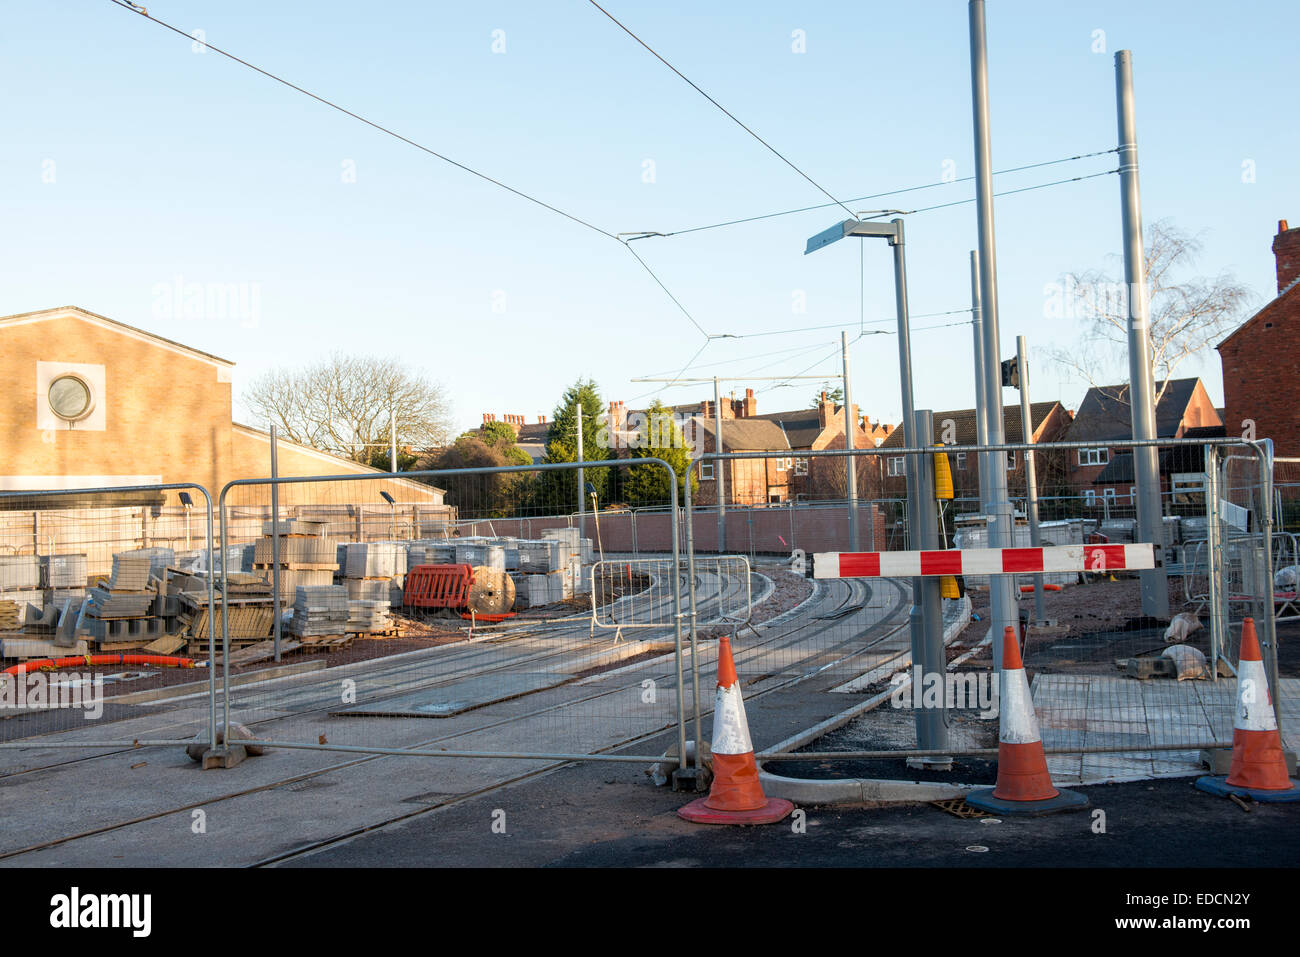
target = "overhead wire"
x: 858, y: 199
x: 775, y: 152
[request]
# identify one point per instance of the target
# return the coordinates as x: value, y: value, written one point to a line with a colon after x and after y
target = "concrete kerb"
x: 865, y: 790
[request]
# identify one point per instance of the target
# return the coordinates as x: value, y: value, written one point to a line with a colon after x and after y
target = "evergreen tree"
x: 558, y: 490
x: 658, y: 438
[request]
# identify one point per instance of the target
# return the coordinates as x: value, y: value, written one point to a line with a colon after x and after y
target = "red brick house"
x: 1261, y: 359
x: 1049, y: 421
x: 1105, y: 416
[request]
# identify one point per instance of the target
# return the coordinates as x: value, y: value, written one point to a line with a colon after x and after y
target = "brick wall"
x: 166, y: 412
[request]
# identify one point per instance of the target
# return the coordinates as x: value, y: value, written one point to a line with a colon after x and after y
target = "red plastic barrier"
x: 437, y: 586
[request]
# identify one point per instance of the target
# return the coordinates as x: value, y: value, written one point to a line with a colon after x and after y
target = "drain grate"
x: 958, y: 807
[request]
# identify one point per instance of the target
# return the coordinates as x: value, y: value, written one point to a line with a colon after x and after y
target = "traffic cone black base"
x: 1064, y: 801
x: 1221, y: 787
x: 699, y: 812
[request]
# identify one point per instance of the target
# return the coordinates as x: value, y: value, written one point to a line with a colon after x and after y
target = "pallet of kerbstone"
x: 160, y: 559
x: 130, y: 573
x: 375, y: 560
x: 11, y: 617
x: 296, y: 551
x: 106, y: 603
x: 64, y: 571
x: 19, y: 572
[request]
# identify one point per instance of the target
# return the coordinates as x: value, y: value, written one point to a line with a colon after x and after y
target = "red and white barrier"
x: 984, y: 561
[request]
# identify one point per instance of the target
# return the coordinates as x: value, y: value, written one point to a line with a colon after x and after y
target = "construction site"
x: 977, y: 628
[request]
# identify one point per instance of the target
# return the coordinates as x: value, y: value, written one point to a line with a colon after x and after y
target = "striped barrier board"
x: 984, y: 561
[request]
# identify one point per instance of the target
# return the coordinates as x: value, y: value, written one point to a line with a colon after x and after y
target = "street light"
x: 893, y: 232
x: 926, y: 623
x: 392, y: 503
x: 188, y: 503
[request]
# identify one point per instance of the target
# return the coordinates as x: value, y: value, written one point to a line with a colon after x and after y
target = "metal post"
x: 582, y: 478
x: 1000, y: 526
x: 1213, y: 559
x: 850, y: 426
x: 1146, y: 466
x: 1031, y: 473
x: 689, y: 517
x: 927, y: 605
x: 905, y: 371
x: 275, y: 547
x: 719, y: 467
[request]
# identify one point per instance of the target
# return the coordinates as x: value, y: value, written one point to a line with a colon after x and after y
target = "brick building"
x: 1048, y: 420
x: 92, y: 402
x: 1261, y: 357
x: 1105, y: 415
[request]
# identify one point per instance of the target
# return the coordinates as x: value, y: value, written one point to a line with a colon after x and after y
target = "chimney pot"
x: 1286, y: 248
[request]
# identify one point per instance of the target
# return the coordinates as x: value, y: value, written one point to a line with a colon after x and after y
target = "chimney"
x: 825, y: 410
x: 751, y: 404
x: 1286, y: 247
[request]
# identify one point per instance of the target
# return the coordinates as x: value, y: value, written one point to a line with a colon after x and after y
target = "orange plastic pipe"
x: 1026, y: 589
x: 53, y: 664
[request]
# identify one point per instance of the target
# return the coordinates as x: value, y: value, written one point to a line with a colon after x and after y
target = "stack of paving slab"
x: 368, y: 617
x: 430, y: 553
x: 575, y: 552
x: 367, y: 565
x: 319, y: 610
x: 305, y: 558
x: 20, y: 579
x: 126, y: 611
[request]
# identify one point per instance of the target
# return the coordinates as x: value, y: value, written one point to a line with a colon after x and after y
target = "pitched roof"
x: 748, y: 435
x: 1272, y: 310
x: 801, y: 426
x: 967, y: 433
x: 1105, y: 411
x: 113, y: 325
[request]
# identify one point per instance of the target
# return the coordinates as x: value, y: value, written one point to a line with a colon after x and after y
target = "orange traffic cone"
x: 1024, y: 785
x: 736, y: 796
x: 1258, y: 764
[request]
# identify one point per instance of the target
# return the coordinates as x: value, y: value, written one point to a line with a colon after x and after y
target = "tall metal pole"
x: 582, y: 479
x: 275, y: 548
x: 981, y: 412
x: 1031, y: 474
x: 1146, y: 467
x: 1001, y: 529
x: 850, y: 426
x: 719, y: 468
x: 905, y: 372
x: 926, y: 616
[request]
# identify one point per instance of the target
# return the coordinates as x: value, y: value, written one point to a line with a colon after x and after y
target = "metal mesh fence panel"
x: 105, y: 617
x: 442, y: 613
x: 1118, y: 693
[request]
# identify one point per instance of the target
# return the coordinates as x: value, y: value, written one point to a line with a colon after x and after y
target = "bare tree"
x: 343, y: 405
x: 1186, y: 317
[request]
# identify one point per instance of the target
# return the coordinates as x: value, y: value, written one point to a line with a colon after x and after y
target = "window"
x: 706, y: 471
x: 800, y: 466
x: 961, y: 461
x: 896, y: 465
x: 1090, y: 497
x: 1109, y: 495
x: 780, y: 464
x: 1094, y: 456
x: 70, y: 398
x: 1011, y: 461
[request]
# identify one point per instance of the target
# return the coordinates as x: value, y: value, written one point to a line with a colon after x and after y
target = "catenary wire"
x: 732, y: 116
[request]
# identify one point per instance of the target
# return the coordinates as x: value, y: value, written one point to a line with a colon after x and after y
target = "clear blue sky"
x: 169, y: 165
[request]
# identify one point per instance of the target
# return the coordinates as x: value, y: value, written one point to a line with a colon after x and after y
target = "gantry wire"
x: 775, y: 152
x: 892, y: 192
